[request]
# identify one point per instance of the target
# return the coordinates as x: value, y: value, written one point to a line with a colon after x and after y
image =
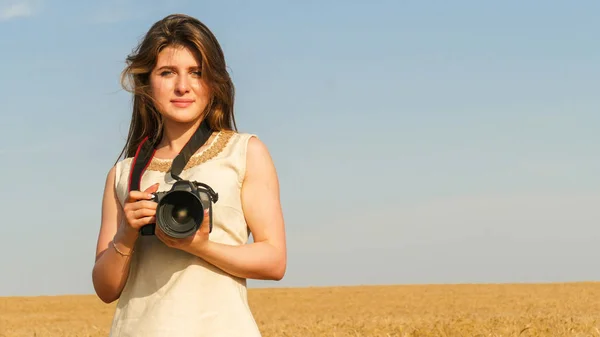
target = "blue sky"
x: 416, y: 142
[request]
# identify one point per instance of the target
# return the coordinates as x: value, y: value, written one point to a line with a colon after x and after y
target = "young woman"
x: 193, y: 286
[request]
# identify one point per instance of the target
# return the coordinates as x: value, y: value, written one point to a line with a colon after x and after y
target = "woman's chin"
x: 181, y: 118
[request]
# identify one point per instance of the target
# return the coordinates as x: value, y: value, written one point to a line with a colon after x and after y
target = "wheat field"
x: 569, y: 309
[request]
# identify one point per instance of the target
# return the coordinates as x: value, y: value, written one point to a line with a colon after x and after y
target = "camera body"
x: 180, y: 210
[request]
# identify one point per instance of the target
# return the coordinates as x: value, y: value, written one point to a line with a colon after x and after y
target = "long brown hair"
x: 176, y: 30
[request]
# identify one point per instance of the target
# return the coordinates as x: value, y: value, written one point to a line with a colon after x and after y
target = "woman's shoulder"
x: 234, y: 142
x: 122, y: 165
x: 239, y: 137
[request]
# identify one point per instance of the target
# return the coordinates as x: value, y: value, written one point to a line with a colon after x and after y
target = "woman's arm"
x: 111, y: 269
x: 119, y: 230
x: 266, y: 257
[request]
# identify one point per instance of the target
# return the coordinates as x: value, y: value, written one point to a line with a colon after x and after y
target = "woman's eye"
x: 170, y: 72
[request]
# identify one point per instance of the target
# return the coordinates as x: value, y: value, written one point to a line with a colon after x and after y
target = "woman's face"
x: 177, y: 86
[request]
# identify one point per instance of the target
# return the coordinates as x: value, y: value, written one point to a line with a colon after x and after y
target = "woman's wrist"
x: 121, y: 250
x: 125, y: 239
x: 200, y: 249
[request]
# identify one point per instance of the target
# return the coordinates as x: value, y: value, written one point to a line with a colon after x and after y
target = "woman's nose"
x: 182, y: 85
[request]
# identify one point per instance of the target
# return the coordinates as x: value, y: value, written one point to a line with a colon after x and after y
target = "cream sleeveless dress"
x: 170, y: 293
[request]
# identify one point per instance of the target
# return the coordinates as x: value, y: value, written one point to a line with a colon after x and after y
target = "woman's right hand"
x: 139, y: 210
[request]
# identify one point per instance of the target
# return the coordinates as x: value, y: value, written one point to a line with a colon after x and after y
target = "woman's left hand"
x: 191, y: 244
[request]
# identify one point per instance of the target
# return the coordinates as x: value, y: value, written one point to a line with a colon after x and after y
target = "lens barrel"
x: 179, y: 213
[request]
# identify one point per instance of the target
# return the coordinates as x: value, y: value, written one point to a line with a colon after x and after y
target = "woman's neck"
x: 175, y: 136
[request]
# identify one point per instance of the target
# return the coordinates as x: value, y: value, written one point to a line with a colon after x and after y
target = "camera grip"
x: 148, y: 229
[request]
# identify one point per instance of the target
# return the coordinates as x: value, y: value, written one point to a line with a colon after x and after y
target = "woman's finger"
x: 144, y: 221
x: 143, y: 204
x: 160, y: 235
x: 205, y: 225
x: 143, y: 212
x: 138, y: 195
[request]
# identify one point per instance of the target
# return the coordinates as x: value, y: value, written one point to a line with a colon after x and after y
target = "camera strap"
x: 146, y: 150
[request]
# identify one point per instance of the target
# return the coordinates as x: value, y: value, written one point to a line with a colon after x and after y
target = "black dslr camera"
x: 180, y: 210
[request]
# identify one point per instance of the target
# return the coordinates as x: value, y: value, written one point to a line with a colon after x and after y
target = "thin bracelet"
x: 117, y: 249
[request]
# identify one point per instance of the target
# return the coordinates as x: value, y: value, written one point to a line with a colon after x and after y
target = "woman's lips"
x: 182, y: 103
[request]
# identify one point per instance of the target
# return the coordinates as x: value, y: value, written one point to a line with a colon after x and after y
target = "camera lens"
x: 179, y: 214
